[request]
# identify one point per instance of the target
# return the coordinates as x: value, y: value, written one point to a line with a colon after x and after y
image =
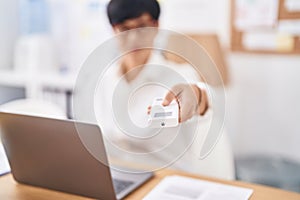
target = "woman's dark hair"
x: 120, y: 10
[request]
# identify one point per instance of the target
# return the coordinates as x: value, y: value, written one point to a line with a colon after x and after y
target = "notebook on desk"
x: 184, y: 188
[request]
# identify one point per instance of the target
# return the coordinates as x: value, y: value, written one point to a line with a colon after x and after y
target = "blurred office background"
x: 44, y: 42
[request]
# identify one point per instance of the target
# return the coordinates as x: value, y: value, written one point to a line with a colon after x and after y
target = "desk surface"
x: 12, y: 190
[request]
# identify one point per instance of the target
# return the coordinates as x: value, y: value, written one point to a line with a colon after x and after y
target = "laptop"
x: 48, y: 153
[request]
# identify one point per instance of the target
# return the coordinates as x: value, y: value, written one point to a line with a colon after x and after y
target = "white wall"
x: 190, y: 16
x: 8, y: 35
x: 262, y: 104
x: 8, y: 31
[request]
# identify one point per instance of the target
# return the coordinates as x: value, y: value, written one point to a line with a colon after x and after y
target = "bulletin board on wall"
x: 265, y: 26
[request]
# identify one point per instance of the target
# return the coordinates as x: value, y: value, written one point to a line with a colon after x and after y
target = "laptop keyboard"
x: 120, y: 185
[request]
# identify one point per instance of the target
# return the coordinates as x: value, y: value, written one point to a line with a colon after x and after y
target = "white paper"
x: 292, y: 5
x: 259, y: 41
x: 4, y: 166
x: 289, y: 26
x: 183, y: 188
x: 250, y: 14
x: 269, y: 41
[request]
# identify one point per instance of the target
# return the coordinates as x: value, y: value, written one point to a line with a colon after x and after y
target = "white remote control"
x: 163, y: 116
